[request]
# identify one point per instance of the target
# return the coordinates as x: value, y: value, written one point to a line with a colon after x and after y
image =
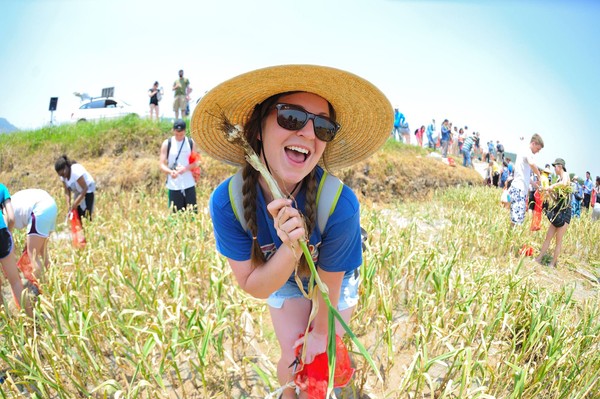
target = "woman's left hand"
x: 315, y: 345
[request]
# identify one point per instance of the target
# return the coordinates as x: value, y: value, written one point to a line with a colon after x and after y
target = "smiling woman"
x: 296, y: 118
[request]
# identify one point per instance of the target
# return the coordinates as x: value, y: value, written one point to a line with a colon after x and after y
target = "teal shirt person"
x: 4, y: 195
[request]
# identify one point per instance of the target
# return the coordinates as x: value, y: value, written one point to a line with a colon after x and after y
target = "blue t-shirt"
x: 445, y: 134
x: 4, y: 195
x: 588, y: 186
x: 430, y: 130
x: 337, y: 249
x: 399, y: 120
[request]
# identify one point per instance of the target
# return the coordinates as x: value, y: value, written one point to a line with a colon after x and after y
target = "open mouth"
x: 297, y: 154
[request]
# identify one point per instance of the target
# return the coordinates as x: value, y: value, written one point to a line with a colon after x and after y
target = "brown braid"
x: 250, y: 177
x: 310, y: 210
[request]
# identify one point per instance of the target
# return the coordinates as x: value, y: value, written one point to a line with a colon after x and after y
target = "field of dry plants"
x: 148, y: 309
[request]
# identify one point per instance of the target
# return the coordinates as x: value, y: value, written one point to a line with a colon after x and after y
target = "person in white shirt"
x: 524, y: 165
x: 76, y: 179
x: 175, y: 163
x: 36, y: 211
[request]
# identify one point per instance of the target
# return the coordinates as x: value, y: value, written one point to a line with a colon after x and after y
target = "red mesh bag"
x: 195, y: 157
x: 77, y: 235
x: 526, y: 250
x: 536, y: 221
x: 24, y: 264
x: 313, y: 378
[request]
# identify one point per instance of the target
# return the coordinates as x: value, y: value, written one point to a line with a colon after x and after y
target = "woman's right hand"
x: 287, y: 220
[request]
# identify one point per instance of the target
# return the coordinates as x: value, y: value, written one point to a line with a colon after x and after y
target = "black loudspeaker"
x: 53, y: 103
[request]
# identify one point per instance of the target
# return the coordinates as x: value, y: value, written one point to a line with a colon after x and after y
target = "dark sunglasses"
x: 293, y: 117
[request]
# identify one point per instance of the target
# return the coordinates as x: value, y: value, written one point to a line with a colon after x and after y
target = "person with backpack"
x: 303, y: 121
x: 174, y: 162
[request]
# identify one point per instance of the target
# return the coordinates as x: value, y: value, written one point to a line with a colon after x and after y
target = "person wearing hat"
x: 524, y: 165
x: 576, y: 197
x: 174, y: 162
x: 559, y: 214
x: 301, y: 120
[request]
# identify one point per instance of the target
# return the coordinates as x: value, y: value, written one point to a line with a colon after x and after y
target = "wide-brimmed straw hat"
x: 364, y: 113
x: 561, y: 162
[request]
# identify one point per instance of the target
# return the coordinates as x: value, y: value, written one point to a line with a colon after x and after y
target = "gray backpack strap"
x: 235, y: 196
x: 328, y: 194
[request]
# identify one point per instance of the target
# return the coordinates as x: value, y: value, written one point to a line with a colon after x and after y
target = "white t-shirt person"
x: 522, y: 169
x: 77, y: 170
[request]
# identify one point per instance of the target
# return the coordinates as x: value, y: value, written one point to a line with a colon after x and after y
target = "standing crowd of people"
x: 449, y: 140
x: 519, y: 181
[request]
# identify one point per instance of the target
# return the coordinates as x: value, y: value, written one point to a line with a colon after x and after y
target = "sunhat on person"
x: 364, y: 113
x: 561, y: 162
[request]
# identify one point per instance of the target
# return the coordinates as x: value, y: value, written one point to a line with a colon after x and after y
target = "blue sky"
x: 505, y: 68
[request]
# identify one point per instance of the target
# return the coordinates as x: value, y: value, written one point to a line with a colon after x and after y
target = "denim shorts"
x: 348, y: 293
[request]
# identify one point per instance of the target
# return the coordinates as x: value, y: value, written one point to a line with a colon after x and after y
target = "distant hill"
x: 122, y: 155
x: 6, y: 126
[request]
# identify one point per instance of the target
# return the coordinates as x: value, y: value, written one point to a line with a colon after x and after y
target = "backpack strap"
x: 328, y: 194
x: 235, y: 197
x: 190, y: 142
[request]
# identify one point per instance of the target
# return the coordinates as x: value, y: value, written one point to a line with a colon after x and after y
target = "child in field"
x: 299, y: 119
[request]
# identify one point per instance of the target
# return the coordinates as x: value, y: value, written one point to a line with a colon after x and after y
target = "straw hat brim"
x: 362, y: 110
